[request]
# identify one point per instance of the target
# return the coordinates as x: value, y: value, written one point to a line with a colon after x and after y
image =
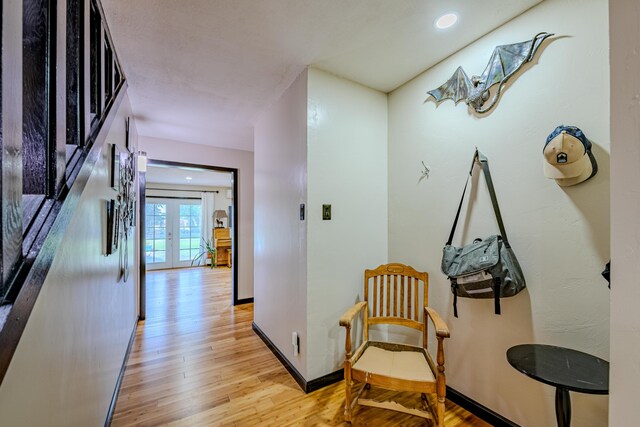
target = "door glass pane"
x: 189, y: 231
x: 159, y: 256
x: 156, y: 232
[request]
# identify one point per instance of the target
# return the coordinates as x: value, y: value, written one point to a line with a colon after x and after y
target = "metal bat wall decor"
x: 505, y: 61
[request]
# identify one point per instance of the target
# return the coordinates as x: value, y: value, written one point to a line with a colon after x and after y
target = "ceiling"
x: 201, y: 71
x: 178, y: 176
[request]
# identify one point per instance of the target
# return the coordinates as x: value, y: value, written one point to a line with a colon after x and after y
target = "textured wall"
x: 560, y: 235
x: 65, y: 368
x: 281, y: 238
x: 625, y: 211
x: 347, y: 167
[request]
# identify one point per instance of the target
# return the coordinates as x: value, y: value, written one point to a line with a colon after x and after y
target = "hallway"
x: 196, y: 361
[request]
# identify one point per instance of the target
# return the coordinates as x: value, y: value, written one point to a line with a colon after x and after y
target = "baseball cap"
x: 568, y: 156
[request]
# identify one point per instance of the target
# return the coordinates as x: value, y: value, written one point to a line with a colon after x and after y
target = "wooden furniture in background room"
x: 395, y: 294
x: 222, y: 243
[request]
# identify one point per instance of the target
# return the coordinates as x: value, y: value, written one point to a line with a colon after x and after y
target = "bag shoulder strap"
x: 484, y: 164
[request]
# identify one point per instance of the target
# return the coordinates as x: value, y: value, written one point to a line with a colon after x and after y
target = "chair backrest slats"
x: 415, y: 299
x: 366, y: 293
x: 409, y: 299
x: 395, y: 295
x: 388, y: 285
x: 381, y: 284
x: 403, y: 283
x: 375, y: 296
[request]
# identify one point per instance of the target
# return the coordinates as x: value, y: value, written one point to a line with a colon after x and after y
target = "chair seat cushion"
x: 405, y: 365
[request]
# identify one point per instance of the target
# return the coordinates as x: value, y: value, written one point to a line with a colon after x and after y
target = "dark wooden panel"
x: 36, y: 66
x: 108, y: 70
x: 57, y: 150
x: 117, y: 74
x: 31, y: 204
x: 95, y: 47
x: 75, y: 72
x: 10, y: 141
x: 45, y: 89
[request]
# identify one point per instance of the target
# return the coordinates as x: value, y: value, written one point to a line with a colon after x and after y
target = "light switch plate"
x: 326, y: 212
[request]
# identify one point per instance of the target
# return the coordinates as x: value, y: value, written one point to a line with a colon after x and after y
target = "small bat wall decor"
x: 505, y: 61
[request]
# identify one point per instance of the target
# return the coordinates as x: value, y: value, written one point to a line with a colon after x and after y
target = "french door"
x: 173, y: 232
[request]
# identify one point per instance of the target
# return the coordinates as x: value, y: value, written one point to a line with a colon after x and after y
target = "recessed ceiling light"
x: 189, y: 178
x: 445, y: 21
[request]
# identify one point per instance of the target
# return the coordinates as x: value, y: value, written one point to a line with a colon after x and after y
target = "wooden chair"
x: 396, y: 291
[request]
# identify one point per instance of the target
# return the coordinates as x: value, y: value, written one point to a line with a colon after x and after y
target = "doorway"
x: 174, y: 227
x: 173, y: 233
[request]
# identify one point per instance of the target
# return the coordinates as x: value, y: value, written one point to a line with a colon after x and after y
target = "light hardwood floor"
x: 197, y: 362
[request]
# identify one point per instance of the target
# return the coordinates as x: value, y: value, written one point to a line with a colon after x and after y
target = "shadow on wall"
x: 595, y: 209
x: 470, y: 365
x: 480, y: 313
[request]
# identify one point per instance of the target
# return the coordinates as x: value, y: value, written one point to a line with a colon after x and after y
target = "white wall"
x: 624, y: 18
x: 347, y: 168
x: 323, y: 142
x: 65, y: 368
x: 220, y: 199
x: 281, y: 237
x: 560, y: 235
x: 168, y: 150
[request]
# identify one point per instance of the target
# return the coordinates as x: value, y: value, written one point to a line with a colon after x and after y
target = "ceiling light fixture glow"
x: 445, y: 21
x: 189, y: 178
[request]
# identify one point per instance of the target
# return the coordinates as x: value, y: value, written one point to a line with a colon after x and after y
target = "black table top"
x: 561, y: 367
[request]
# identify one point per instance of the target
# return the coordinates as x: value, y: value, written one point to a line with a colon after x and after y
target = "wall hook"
x: 424, y: 173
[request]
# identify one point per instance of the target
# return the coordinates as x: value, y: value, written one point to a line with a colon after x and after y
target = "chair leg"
x: 440, y: 409
x: 441, y: 383
x: 347, y: 398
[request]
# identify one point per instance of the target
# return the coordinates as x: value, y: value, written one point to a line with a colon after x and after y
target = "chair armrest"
x: 442, y: 330
x: 346, y: 318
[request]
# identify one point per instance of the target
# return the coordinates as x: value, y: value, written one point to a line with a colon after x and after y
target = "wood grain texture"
x: 396, y: 275
x: 10, y: 141
x: 196, y: 362
x: 75, y: 72
x: 36, y: 96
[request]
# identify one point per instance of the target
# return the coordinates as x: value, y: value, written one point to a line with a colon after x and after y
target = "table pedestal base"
x: 563, y: 407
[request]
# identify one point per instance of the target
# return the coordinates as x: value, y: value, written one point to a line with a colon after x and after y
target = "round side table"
x: 565, y: 369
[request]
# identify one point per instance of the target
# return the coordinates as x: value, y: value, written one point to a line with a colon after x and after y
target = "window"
x: 156, y: 233
x: 190, y: 231
x: 173, y: 232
